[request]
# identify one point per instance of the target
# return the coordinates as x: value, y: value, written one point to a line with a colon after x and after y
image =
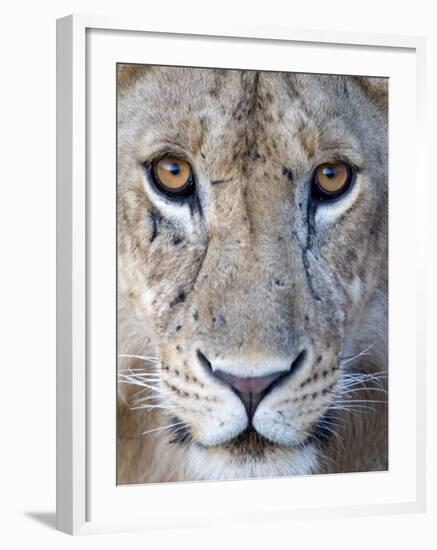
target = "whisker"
x: 324, y: 456
x: 382, y: 373
x: 134, y: 374
x: 351, y: 382
x: 308, y: 435
x: 361, y: 401
x: 346, y: 360
x: 350, y: 391
x: 150, y: 407
x: 377, y: 377
x: 326, y: 426
x: 133, y: 377
x: 356, y: 409
x: 378, y: 374
x: 158, y: 398
x: 153, y: 370
x: 130, y: 378
x: 162, y: 428
x: 143, y: 357
x: 151, y: 397
x: 139, y: 383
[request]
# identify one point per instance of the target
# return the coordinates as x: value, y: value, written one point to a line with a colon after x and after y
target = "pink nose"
x: 250, y: 390
x: 253, y: 385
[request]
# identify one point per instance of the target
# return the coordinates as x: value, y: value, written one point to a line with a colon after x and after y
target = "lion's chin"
x: 250, y: 456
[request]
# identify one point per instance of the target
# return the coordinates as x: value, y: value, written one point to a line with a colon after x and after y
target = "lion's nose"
x: 250, y: 390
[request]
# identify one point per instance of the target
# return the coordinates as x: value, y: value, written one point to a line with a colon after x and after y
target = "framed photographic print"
x: 238, y: 324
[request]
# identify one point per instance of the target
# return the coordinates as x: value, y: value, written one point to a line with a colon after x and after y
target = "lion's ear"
x: 376, y: 88
x: 127, y: 74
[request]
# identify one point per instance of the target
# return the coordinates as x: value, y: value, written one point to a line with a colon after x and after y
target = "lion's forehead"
x: 239, y: 93
x: 238, y: 116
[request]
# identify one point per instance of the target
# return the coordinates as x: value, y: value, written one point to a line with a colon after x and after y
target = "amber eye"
x: 173, y: 176
x: 330, y: 180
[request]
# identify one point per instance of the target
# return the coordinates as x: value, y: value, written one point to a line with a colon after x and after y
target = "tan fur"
x: 251, y: 274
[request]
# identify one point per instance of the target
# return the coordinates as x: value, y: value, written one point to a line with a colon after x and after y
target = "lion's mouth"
x: 251, y: 443
x: 248, y: 441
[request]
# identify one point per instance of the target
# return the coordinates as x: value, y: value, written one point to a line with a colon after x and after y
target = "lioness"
x: 252, y: 273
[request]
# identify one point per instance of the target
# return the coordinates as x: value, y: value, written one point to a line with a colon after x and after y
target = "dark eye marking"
x: 178, y: 240
x: 195, y: 206
x: 287, y: 173
x: 179, y: 299
x: 218, y: 182
x: 155, y: 219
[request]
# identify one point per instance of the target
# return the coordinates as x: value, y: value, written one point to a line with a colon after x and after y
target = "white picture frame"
x: 86, y: 500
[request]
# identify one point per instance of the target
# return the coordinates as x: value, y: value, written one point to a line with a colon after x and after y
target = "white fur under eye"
x: 327, y: 212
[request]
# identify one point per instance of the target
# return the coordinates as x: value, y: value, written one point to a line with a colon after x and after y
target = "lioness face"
x: 252, y: 232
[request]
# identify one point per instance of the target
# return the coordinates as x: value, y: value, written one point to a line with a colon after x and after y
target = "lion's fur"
x: 251, y: 273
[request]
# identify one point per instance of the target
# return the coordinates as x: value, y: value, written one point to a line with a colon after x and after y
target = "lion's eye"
x: 173, y: 176
x: 330, y: 180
